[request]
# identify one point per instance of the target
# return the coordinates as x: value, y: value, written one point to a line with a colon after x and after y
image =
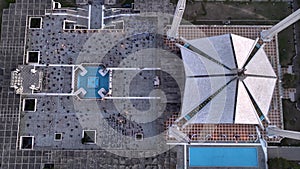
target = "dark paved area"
x: 289, y: 153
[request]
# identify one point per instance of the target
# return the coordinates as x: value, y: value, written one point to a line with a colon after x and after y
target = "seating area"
x: 83, y: 70
x: 80, y: 91
x: 103, y: 72
x: 102, y: 92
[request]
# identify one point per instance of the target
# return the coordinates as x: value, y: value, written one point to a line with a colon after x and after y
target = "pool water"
x: 92, y: 82
x: 223, y: 157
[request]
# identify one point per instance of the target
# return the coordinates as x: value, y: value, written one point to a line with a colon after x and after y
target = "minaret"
x: 267, y: 35
x: 173, y: 32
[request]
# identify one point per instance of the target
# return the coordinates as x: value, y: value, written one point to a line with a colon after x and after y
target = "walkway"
x: 283, y: 133
x: 291, y: 19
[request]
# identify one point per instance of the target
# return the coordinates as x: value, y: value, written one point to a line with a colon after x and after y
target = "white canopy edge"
x: 245, y: 112
x: 261, y: 90
x: 260, y: 65
x: 242, y: 46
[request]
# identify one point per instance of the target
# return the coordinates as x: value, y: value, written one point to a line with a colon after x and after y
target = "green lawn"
x: 174, y: 1
x: 4, y: 4
x: 289, y: 81
x: 67, y: 3
x: 280, y: 163
x: 237, y: 11
x: 127, y: 2
x: 289, y: 142
x: 286, y: 46
x: 290, y: 115
x: 10, y: 1
x: 291, y: 118
x: 265, y: 10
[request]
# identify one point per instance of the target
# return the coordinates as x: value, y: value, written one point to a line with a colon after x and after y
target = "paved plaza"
x: 69, y: 115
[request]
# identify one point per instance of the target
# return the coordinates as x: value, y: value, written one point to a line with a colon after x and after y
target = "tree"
x: 289, y: 81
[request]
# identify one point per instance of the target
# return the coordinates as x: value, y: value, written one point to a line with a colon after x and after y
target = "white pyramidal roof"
x: 243, y: 47
x: 245, y: 110
x: 229, y: 79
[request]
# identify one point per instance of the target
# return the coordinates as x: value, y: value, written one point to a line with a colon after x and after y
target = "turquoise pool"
x: 92, y: 82
x: 223, y: 157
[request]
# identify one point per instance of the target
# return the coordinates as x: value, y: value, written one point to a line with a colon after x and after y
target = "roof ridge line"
x: 203, y: 54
